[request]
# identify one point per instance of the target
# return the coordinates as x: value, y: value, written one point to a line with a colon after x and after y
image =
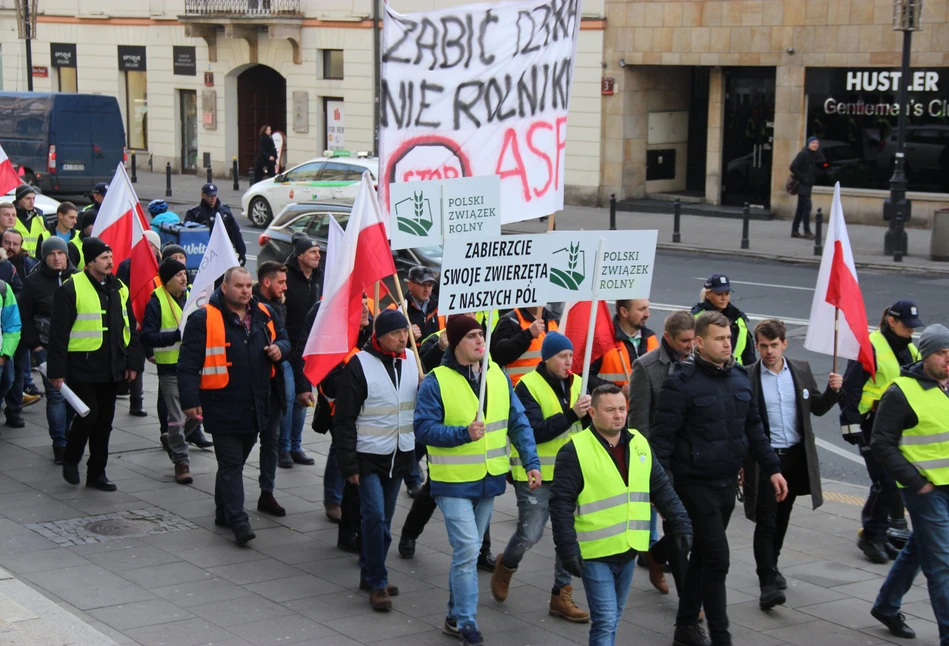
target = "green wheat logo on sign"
x: 575, y: 260
x: 414, y: 215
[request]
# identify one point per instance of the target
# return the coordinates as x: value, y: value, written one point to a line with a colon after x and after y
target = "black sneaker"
x: 779, y: 580
x: 199, y: 439
x: 896, y: 624
x: 874, y: 551
x: 71, y: 473
x: 693, y: 635
x: 243, y: 534
x: 771, y: 597
x: 469, y: 636
x: 58, y: 454
x: 101, y: 482
x: 15, y: 421
x: 406, y: 547
x: 450, y: 627
x: 486, y: 562
x: 284, y: 461
x: 33, y: 390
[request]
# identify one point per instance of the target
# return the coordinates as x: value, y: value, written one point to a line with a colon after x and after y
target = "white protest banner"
x: 416, y: 214
x: 493, y: 273
x: 480, y: 89
x: 471, y: 206
x: 626, y: 267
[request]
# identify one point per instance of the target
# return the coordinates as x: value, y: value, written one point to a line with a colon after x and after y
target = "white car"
x: 335, y: 176
x: 42, y: 202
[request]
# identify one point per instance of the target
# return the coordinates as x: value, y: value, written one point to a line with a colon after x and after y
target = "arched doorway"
x: 261, y: 99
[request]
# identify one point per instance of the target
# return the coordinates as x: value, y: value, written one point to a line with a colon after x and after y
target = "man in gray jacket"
x: 649, y: 373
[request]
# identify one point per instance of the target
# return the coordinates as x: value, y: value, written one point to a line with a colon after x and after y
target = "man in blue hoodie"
x: 468, y: 457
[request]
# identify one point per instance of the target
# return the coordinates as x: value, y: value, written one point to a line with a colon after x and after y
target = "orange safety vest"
x: 528, y: 361
x: 617, y: 366
x: 214, y: 374
x: 332, y: 400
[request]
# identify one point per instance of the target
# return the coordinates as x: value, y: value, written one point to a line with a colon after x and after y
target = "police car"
x: 335, y: 176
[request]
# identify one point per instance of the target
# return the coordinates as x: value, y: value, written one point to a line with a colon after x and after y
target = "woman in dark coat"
x: 266, y: 155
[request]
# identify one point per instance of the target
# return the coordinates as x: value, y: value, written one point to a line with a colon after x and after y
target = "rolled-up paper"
x: 71, y: 398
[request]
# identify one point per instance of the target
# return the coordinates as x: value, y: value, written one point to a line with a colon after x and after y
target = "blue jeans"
x: 27, y: 367
x: 59, y: 414
x: 653, y: 527
x: 899, y: 580
x: 533, y: 512
x: 291, y: 428
x: 930, y: 515
x: 378, y: 495
x: 333, y: 480
x: 606, y: 586
x: 465, y: 522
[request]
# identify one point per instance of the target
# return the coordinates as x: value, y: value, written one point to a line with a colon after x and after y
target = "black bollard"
x: 818, y: 233
x: 612, y: 211
x: 168, y: 179
x: 745, y: 216
x: 209, y: 175
x: 250, y: 176
x: 237, y: 185
x: 134, y: 172
x: 676, y: 214
x: 898, y: 227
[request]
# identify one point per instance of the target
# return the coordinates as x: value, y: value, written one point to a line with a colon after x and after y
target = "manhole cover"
x: 119, y: 527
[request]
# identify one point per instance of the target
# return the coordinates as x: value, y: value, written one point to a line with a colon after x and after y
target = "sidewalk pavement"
x: 146, y: 565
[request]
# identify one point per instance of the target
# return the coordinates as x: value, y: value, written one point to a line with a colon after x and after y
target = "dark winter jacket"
x: 302, y: 293
x: 36, y: 302
x: 706, y: 421
x: 251, y: 396
x: 113, y: 358
x: 509, y: 341
x: 265, y: 150
x: 279, y: 308
x: 568, y: 483
x: 351, y: 393
x: 553, y: 427
x: 803, y: 169
x: 426, y: 321
x: 894, y: 415
x: 153, y: 337
x: 620, y: 337
x: 51, y: 233
x: 732, y: 313
x: 10, y: 275
x: 124, y: 270
x: 24, y: 265
x: 205, y: 214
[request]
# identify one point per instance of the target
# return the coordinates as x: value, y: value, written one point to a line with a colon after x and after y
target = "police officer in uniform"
x: 717, y: 298
x: 209, y: 210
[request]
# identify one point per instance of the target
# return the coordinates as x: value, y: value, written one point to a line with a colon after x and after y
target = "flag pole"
x: 375, y: 296
x: 484, y: 364
x: 566, y: 313
x: 836, y: 330
x: 404, y: 307
x: 588, y: 350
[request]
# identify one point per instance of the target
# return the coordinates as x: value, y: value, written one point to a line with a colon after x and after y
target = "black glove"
x: 684, y: 543
x: 242, y: 260
x: 573, y: 565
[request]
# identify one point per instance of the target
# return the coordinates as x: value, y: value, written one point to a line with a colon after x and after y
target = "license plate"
x: 74, y: 167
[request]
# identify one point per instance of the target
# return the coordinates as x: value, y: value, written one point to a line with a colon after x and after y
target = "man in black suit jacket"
x: 787, y: 394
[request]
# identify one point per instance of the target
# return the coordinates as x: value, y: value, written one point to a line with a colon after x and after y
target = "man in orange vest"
x: 228, y: 376
x: 632, y: 340
x: 516, y: 341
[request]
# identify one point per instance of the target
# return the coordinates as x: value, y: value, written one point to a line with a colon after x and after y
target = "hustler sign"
x: 873, y: 92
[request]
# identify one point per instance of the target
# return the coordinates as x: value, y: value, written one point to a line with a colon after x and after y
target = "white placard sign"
x: 480, y: 89
x: 493, y: 273
x: 416, y: 215
x: 625, y: 272
x: 471, y: 207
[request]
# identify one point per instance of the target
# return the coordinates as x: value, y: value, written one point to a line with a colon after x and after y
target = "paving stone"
x: 144, y: 613
x: 378, y: 625
x: 283, y: 630
x: 239, y: 611
x: 25, y: 562
x: 193, y: 593
x: 338, y: 605
x: 159, y: 576
x: 263, y: 569
x: 827, y: 574
x: 822, y: 632
x: 190, y: 632
x: 851, y: 613
x: 295, y: 587
x: 90, y: 586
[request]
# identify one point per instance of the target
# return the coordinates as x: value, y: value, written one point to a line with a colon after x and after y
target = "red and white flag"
x: 575, y: 325
x: 838, y: 289
x: 121, y: 224
x: 9, y: 180
x: 362, y: 257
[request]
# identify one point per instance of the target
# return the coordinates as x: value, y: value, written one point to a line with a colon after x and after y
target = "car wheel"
x: 259, y: 212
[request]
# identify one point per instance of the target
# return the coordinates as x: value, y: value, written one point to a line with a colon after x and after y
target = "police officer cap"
x: 420, y: 274
x: 209, y: 189
x: 100, y: 189
x: 718, y: 283
x: 906, y: 313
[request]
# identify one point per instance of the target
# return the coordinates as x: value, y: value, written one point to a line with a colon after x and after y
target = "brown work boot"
x: 183, y: 474
x: 380, y: 600
x: 562, y: 605
x: 657, y: 576
x: 334, y: 512
x: 501, y: 580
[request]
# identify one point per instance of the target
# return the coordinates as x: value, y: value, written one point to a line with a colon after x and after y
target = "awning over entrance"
x: 244, y: 19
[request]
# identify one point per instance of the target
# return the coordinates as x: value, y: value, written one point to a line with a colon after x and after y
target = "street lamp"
x: 906, y: 18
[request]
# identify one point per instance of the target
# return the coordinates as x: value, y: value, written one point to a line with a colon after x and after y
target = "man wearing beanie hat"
x: 161, y: 333
x: 802, y: 170
x: 909, y: 441
x: 29, y: 219
x: 93, y: 345
x: 468, y: 459
x: 19, y: 395
x: 36, y: 312
x: 374, y: 440
x: 556, y: 410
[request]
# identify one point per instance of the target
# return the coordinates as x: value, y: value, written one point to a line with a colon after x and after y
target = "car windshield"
x: 431, y: 254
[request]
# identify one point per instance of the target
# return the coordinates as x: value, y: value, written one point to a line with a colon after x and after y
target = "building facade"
x: 711, y: 100
x: 199, y: 78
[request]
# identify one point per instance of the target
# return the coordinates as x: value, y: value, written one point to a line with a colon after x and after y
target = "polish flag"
x: 9, y: 179
x: 575, y: 324
x: 838, y: 290
x: 362, y: 257
x: 121, y: 224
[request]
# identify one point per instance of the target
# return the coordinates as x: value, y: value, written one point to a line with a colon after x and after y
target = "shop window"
x: 136, y: 109
x: 333, y: 64
x: 66, y: 80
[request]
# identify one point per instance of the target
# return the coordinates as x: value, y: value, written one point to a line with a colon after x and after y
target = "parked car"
x: 841, y: 163
x: 66, y: 143
x: 335, y: 176
x: 313, y: 220
x: 927, y: 155
x: 44, y: 203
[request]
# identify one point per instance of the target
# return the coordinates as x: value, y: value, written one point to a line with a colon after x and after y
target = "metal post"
x: 818, y: 233
x: 676, y: 214
x: 745, y: 216
x: 134, y: 169
x: 250, y: 176
x: 28, y: 30
x: 237, y: 184
x: 210, y: 179
x: 899, y: 250
x: 168, y: 179
x: 612, y: 211
x: 898, y: 202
